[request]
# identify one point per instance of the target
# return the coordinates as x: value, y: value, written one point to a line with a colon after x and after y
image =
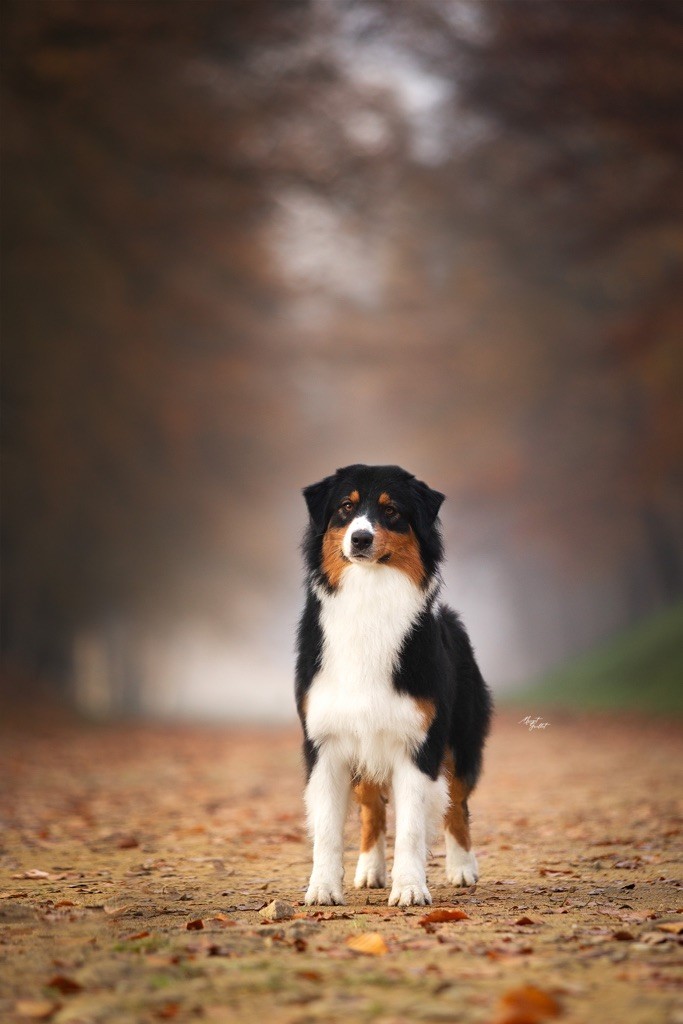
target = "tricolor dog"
x: 387, y: 687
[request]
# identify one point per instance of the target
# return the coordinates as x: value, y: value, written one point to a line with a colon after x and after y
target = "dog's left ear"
x: 317, y: 499
x: 428, y: 502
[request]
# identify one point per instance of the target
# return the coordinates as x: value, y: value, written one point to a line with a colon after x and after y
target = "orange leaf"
x: 370, y: 944
x: 309, y: 975
x: 195, y: 926
x: 444, y: 914
x: 37, y: 1009
x: 527, y: 1005
x: 675, y: 927
x: 137, y: 935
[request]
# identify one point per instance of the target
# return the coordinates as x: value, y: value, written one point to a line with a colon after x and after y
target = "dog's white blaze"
x: 359, y: 523
x: 354, y: 711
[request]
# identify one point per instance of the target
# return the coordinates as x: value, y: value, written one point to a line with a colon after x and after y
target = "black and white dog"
x: 387, y: 686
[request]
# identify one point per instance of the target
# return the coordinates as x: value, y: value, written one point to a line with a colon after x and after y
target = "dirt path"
x: 117, y: 839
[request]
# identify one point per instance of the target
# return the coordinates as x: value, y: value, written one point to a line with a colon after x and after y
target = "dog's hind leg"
x: 371, y: 871
x: 461, y: 863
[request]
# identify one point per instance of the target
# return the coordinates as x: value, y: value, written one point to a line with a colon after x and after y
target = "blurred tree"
x: 247, y: 241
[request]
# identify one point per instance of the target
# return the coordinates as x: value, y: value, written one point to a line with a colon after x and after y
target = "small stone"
x: 278, y: 910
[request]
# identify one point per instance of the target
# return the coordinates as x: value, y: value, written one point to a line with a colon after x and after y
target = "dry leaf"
x: 524, y: 920
x: 167, y: 1011
x: 137, y: 935
x: 278, y: 910
x: 37, y: 1009
x: 67, y: 986
x: 195, y: 926
x: 371, y: 944
x: 117, y: 911
x: 622, y: 935
x: 127, y: 842
x: 444, y: 914
x: 675, y: 927
x: 526, y: 1005
x: 309, y: 975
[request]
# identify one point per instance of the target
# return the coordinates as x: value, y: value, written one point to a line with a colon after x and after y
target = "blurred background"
x: 248, y: 241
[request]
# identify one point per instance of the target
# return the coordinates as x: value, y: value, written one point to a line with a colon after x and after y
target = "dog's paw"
x: 409, y: 895
x: 371, y: 872
x: 324, y: 894
x: 461, y: 867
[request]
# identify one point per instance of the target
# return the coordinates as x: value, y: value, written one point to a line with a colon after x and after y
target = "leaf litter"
x: 176, y: 933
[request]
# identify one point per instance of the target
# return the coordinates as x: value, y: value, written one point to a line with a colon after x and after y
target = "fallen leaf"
x: 37, y: 1009
x: 370, y: 944
x: 33, y: 873
x: 526, y: 1005
x: 67, y: 986
x: 128, y: 842
x: 675, y: 927
x: 622, y: 935
x: 278, y: 910
x: 117, y: 911
x: 441, y: 915
x: 524, y: 920
x: 167, y: 1011
x: 195, y: 926
x: 136, y: 935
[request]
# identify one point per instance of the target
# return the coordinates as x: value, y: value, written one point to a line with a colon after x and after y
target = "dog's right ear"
x: 317, y: 499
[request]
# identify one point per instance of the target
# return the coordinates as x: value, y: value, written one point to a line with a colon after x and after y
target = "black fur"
x: 437, y: 662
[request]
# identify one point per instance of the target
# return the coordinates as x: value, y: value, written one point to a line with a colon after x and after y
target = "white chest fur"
x: 352, y: 704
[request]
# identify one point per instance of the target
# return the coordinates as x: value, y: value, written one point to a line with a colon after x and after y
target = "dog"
x: 388, y: 690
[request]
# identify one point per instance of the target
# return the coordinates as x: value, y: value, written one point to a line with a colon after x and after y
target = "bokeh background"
x: 249, y: 241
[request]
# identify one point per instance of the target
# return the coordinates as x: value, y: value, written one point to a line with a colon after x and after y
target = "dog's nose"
x: 361, y: 540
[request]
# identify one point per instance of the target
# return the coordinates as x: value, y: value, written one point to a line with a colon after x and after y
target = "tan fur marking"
x: 427, y: 709
x: 455, y: 819
x: 373, y: 814
x: 334, y: 562
x: 384, y: 498
x: 403, y: 551
x: 354, y: 496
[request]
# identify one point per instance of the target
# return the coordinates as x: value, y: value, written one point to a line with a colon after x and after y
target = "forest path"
x: 135, y: 860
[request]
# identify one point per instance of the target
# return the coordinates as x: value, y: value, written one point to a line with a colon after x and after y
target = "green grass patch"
x: 638, y: 670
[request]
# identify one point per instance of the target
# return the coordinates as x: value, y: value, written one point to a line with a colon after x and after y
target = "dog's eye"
x: 346, y: 506
x: 390, y: 511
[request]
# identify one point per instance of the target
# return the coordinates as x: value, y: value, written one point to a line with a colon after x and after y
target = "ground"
x: 135, y: 860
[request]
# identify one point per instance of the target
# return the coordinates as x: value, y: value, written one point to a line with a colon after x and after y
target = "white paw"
x: 323, y: 894
x: 461, y: 867
x: 371, y: 872
x: 409, y: 895
x: 370, y: 878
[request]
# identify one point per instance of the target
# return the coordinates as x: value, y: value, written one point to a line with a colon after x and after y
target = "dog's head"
x: 374, y: 516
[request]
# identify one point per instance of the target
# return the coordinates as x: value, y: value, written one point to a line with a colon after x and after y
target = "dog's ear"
x: 427, y: 504
x: 317, y: 499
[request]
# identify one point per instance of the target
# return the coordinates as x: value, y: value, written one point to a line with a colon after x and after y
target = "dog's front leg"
x: 327, y: 798
x: 418, y: 800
